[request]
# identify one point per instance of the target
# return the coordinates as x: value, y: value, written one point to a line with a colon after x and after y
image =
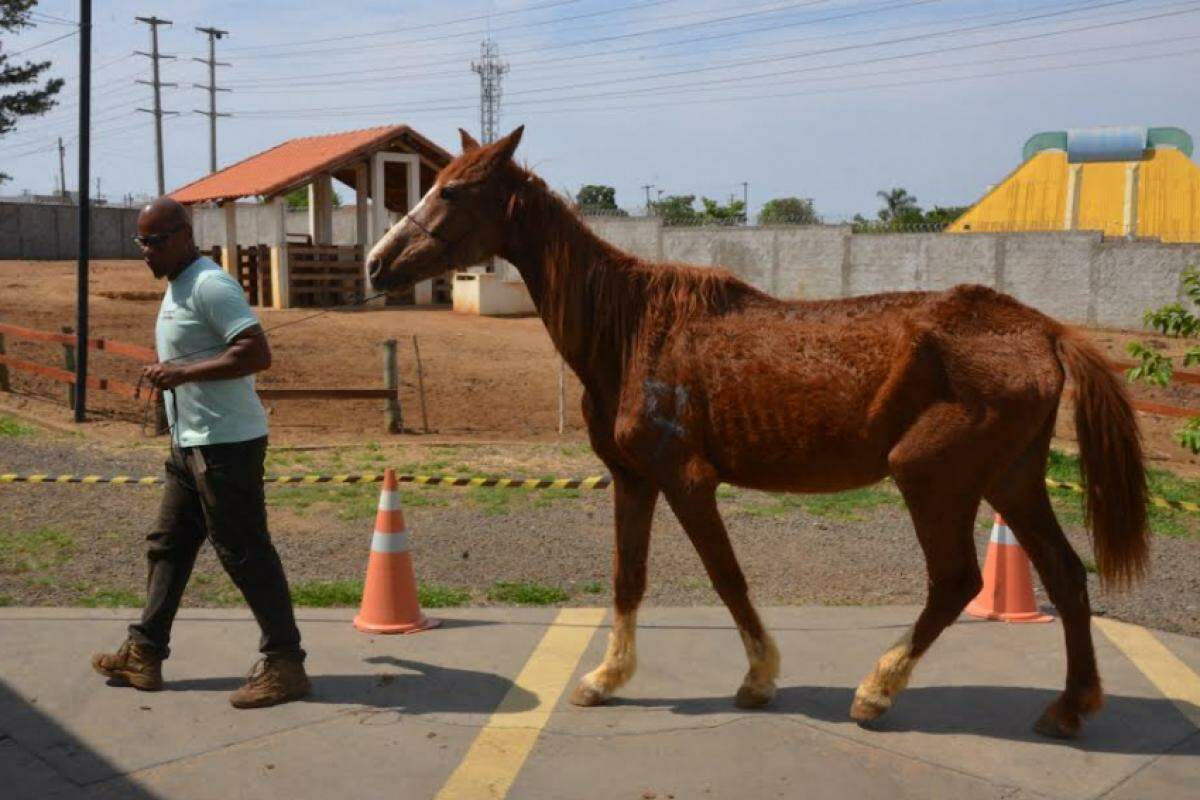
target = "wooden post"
x: 69, y: 364
x: 4, y: 385
x: 391, y: 407
x: 280, y: 276
x: 421, y: 384
x: 562, y: 400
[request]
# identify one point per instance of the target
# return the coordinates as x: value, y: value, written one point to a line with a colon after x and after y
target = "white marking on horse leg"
x: 874, y: 695
x: 758, y: 687
x: 620, y: 662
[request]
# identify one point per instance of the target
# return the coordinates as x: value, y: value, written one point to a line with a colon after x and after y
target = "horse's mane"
x: 595, y: 297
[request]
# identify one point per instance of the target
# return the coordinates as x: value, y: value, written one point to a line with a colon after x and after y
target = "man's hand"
x: 164, y: 375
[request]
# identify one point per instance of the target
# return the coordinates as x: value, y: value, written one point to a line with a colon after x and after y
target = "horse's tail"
x: 1110, y: 462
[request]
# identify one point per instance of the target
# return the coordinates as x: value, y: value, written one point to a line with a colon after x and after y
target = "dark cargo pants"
x: 216, y: 491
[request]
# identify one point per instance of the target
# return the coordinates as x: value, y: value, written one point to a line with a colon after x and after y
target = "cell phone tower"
x: 491, y: 71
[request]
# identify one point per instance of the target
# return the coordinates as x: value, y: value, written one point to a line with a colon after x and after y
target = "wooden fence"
x: 325, y: 274
x: 389, y: 392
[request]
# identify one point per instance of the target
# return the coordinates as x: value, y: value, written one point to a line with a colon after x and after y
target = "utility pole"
x: 746, y: 200
x: 157, y: 111
x: 213, y: 35
x: 62, y: 169
x: 491, y: 71
x: 85, y: 216
x: 647, y: 187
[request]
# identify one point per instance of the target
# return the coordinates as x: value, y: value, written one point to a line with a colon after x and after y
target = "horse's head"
x: 459, y: 222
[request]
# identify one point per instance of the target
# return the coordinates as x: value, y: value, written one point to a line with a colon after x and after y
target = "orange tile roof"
x: 296, y: 161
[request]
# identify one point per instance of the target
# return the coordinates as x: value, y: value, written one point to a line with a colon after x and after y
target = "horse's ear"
x: 508, y: 145
x: 468, y: 141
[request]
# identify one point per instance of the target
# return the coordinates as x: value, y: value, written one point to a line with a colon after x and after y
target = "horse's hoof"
x: 587, y: 696
x: 866, y: 708
x: 1053, y: 724
x: 753, y: 696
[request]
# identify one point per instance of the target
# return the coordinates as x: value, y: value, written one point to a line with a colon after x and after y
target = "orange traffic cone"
x: 1007, y: 582
x: 389, y: 602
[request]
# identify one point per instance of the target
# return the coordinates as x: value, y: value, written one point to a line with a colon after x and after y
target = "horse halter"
x: 447, y: 244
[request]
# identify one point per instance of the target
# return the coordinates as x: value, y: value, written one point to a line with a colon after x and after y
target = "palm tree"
x: 898, y: 201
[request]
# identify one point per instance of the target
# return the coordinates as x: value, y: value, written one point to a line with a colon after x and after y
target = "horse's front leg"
x: 634, y: 499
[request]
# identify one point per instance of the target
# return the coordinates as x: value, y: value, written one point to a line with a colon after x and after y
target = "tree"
x: 900, y: 205
x: 297, y: 199
x: 716, y: 214
x: 675, y: 209
x: 944, y: 215
x: 1179, y: 322
x: 788, y: 211
x: 594, y: 198
x: 30, y: 102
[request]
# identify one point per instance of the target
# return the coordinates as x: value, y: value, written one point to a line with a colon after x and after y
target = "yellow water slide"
x: 1121, y: 181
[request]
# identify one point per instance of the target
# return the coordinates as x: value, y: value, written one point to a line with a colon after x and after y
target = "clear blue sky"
x: 828, y: 99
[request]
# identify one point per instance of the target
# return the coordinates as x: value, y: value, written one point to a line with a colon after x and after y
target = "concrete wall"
x: 1077, y: 277
x: 35, y: 231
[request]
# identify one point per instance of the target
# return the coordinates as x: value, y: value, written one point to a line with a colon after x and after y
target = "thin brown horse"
x: 692, y: 377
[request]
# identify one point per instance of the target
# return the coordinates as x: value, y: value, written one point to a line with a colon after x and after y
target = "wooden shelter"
x: 390, y: 168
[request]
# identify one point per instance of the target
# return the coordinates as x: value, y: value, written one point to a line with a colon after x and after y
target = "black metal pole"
x: 85, y: 209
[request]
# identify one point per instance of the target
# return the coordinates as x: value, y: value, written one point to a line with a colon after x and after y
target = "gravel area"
x: 83, y: 545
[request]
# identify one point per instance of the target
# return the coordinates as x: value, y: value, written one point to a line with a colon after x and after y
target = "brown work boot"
x: 133, y: 664
x: 273, y: 680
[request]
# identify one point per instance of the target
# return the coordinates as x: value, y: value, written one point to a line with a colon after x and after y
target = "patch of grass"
x: 1089, y: 565
x: 525, y: 593
x: 35, y: 551
x: 1068, y: 505
x: 11, y: 427
x: 6, y: 600
x: 547, y: 497
x: 434, y: 596
x: 592, y: 587
x: 841, y: 505
x: 327, y: 594
x: 698, y: 583
x: 726, y: 492
x: 352, y: 500
x: 576, y: 449
x: 111, y: 598
x: 492, y: 502
x: 348, y: 593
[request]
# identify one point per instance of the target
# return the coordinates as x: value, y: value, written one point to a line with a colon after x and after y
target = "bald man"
x: 209, y: 346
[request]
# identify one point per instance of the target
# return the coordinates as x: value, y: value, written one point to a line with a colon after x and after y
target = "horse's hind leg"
x: 697, y: 511
x: 943, y: 493
x: 634, y: 500
x: 1019, y: 495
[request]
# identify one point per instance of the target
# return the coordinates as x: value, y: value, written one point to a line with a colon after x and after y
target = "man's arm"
x: 247, y: 354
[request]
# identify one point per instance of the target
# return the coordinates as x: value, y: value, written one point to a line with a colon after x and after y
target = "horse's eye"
x: 447, y: 193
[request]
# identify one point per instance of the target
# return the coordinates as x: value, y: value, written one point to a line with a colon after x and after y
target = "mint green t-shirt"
x: 202, y: 311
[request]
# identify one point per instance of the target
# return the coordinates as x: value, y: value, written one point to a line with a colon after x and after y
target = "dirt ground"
x: 484, y: 378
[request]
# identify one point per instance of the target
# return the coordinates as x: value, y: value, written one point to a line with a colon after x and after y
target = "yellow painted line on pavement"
x: 499, y: 751
x: 1175, y: 679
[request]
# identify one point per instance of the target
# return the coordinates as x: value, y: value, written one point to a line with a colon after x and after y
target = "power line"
x: 753, y: 62
x: 31, y: 48
x: 158, y: 112
x: 426, y: 26
x: 213, y: 34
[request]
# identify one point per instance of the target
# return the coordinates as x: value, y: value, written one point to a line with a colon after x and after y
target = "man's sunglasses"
x: 155, y: 239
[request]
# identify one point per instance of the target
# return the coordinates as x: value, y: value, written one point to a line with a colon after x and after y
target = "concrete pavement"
x: 477, y: 709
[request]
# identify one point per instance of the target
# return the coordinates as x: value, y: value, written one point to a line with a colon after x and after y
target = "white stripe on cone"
x: 389, y: 501
x: 1002, y: 535
x: 390, y: 542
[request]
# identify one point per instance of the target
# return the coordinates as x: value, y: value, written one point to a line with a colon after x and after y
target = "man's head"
x: 165, y: 236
